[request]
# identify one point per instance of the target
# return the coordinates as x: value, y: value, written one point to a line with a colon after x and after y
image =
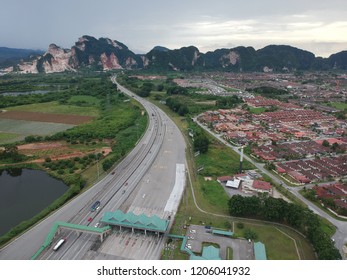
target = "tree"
x: 160, y: 87
x: 201, y: 143
x: 325, y: 143
x: 11, y: 152
x: 270, y: 166
x: 176, y: 90
x: 250, y: 234
x: 236, y: 205
x: 335, y: 146
x: 274, y: 209
x: 183, y: 110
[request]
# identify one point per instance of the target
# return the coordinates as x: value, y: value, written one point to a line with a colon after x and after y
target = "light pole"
x: 97, y: 165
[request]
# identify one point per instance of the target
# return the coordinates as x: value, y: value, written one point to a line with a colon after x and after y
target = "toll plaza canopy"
x: 130, y: 220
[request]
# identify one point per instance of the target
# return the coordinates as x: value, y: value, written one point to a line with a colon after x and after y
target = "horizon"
x: 160, y: 45
x: 318, y: 27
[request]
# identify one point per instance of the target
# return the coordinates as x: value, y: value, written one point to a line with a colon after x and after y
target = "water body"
x: 24, y: 193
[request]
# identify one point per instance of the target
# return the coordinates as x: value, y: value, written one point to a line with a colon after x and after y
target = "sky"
x: 318, y: 26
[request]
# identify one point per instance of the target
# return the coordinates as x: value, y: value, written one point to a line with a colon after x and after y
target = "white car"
x: 96, y: 225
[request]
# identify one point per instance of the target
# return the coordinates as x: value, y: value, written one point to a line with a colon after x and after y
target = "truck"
x: 59, y: 243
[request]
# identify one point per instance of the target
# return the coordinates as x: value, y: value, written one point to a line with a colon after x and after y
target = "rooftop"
x: 259, y: 251
x: 208, y: 253
x: 142, y: 221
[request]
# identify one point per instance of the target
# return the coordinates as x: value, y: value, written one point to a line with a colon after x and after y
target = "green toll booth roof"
x: 152, y: 223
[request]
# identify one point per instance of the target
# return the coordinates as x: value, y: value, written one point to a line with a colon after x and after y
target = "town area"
x: 295, y: 124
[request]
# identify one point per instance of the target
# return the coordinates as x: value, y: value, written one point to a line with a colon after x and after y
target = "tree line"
x: 299, y: 217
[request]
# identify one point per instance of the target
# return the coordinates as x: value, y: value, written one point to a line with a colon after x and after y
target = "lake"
x: 24, y: 193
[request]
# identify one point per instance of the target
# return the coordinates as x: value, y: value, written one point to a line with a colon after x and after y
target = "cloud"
x: 143, y: 24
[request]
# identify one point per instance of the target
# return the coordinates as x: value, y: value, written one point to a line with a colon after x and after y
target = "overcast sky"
x: 319, y: 26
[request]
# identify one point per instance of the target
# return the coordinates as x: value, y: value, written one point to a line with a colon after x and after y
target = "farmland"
x: 45, y: 117
x: 87, y: 116
x: 7, y: 137
x: 69, y: 133
x: 54, y: 107
x: 17, y: 130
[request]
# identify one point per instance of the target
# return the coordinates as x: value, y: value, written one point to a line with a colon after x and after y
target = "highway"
x: 142, y: 183
x: 340, y: 236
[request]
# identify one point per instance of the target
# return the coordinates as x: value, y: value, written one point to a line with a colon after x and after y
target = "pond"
x: 24, y: 193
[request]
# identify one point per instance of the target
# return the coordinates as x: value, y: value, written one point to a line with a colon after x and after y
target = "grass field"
x: 211, y: 197
x: 338, y: 105
x: 220, y: 161
x: 212, y: 201
x: 56, y: 108
x: 214, y: 194
x: 84, y: 99
x: 25, y: 128
x: 256, y: 111
x: 279, y: 246
x: 7, y: 137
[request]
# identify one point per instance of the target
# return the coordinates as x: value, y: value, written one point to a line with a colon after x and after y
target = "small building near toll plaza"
x: 208, y: 253
x: 259, y: 251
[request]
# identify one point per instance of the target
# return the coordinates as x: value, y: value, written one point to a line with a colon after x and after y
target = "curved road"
x: 340, y: 236
x: 154, y: 160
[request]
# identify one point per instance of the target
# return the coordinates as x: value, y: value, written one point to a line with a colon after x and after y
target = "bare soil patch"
x: 45, y: 117
x: 56, y: 151
x: 41, y: 146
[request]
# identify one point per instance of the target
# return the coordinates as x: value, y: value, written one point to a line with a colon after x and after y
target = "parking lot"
x: 242, y: 249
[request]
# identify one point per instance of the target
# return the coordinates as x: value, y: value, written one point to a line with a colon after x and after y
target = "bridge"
x: 58, y: 226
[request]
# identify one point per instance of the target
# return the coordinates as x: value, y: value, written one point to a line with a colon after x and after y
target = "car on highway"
x: 90, y: 219
x: 97, y: 224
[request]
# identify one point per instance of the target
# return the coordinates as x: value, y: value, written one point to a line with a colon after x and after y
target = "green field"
x: 25, y: 128
x: 7, y: 137
x: 278, y: 245
x: 220, y: 161
x: 214, y: 194
x: 256, y: 111
x: 84, y: 100
x: 211, y: 197
x: 338, y: 105
x: 55, y: 108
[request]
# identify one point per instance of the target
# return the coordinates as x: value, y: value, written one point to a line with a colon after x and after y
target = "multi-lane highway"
x: 149, y: 180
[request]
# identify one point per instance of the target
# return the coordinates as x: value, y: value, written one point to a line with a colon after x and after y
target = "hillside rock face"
x: 56, y: 59
x: 102, y: 54
x: 106, y: 54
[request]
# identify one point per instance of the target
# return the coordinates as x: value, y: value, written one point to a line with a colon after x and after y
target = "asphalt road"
x: 149, y: 171
x: 340, y: 236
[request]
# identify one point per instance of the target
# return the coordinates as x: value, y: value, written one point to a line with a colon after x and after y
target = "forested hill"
x: 107, y: 54
x: 11, y: 55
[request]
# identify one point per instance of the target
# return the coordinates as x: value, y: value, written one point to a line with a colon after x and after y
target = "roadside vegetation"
x: 280, y: 211
x: 214, y: 161
x: 116, y: 123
